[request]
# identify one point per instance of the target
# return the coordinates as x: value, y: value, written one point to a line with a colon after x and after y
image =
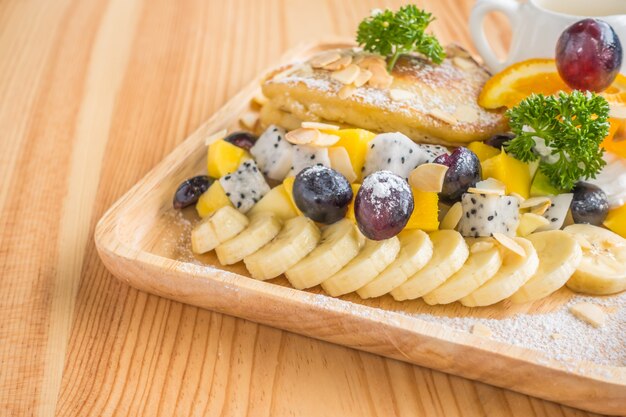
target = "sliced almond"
x: 325, y: 58
x: 541, y: 208
x: 529, y: 222
x: 398, y: 94
x: 346, y: 75
x: 249, y: 119
x: 492, y: 186
x: 302, y: 136
x: 452, y: 217
x: 534, y: 201
x: 428, y: 177
x: 346, y: 91
x: 339, y: 64
x: 466, y: 113
x: 485, y: 191
x: 368, y: 61
x: 340, y: 162
x: 509, y: 244
x: 443, y: 116
x: 363, y: 77
x: 260, y: 99
x: 319, y: 126
x: 519, y: 197
x: 481, y: 246
x: 590, y: 313
x: 215, y: 137
x: 324, y: 140
x: 556, y: 336
x: 480, y: 329
x: 463, y: 63
x: 380, y: 77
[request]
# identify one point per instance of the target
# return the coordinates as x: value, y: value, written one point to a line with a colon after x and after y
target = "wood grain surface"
x: 93, y: 94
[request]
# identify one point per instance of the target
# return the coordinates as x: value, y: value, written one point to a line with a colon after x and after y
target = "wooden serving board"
x: 144, y: 242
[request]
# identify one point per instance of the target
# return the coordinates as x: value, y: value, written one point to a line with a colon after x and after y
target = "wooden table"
x: 93, y: 94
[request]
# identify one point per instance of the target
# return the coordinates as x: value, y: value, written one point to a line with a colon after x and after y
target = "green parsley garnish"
x: 564, y: 131
x: 391, y: 34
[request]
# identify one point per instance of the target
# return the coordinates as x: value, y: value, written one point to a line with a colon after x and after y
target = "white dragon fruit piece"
x: 431, y: 152
x: 307, y: 156
x: 557, y: 212
x: 485, y: 214
x: 393, y: 152
x: 246, y: 186
x: 273, y: 153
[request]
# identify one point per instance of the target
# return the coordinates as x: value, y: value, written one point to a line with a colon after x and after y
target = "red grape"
x: 589, y: 55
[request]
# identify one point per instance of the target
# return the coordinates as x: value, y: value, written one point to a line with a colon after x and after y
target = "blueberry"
x: 244, y: 140
x: 463, y: 173
x: 383, y: 205
x: 190, y: 190
x: 589, y: 205
x: 499, y: 140
x: 322, y: 194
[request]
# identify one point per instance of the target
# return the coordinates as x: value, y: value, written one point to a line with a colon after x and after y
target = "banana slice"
x: 224, y: 224
x: 449, y: 254
x: 340, y: 243
x: 515, y: 271
x: 375, y: 256
x: 262, y: 228
x: 296, y: 240
x: 416, y: 250
x: 483, y: 263
x: 602, y: 269
x: 559, y: 256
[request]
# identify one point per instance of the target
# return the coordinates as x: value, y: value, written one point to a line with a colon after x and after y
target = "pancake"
x: 427, y: 102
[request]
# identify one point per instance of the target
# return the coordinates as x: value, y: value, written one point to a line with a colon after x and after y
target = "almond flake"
x: 534, y: 201
x: 519, y: 197
x: 428, y: 177
x: 369, y: 61
x: 443, y: 116
x: 260, y: 99
x: 540, y: 209
x: 302, y: 136
x: 480, y: 329
x: 529, y: 222
x: 556, y: 336
x: 324, y: 140
x: 319, y: 126
x: 590, y: 313
x: 339, y: 64
x: 398, y: 94
x: 346, y: 91
x: 452, y: 217
x: 485, y: 191
x: 466, y: 113
x: 380, y: 77
x: 249, y: 119
x: 491, y: 186
x: 363, y: 77
x: 325, y: 58
x: 509, y: 243
x: 346, y: 75
x: 481, y: 246
x: 215, y: 137
x: 463, y: 63
x: 340, y: 162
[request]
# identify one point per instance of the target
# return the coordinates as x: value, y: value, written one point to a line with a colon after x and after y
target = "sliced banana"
x: 449, y: 254
x: 263, y: 227
x: 375, y: 256
x: 515, y: 271
x: 601, y: 270
x: 222, y: 225
x: 296, y: 240
x: 416, y: 250
x: 482, y: 264
x: 559, y: 256
x: 340, y: 243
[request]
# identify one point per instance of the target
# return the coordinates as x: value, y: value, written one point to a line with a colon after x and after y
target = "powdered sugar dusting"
x: 384, y: 189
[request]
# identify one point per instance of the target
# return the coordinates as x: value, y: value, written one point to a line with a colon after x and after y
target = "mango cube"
x: 288, y: 186
x: 616, y: 220
x: 426, y: 212
x: 356, y: 142
x: 212, y: 200
x: 276, y: 201
x: 513, y: 173
x: 482, y: 151
x: 224, y: 158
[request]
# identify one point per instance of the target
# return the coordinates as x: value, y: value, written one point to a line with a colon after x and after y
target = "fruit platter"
x: 394, y: 196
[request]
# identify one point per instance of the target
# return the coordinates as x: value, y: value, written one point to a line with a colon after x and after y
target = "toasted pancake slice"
x: 429, y: 103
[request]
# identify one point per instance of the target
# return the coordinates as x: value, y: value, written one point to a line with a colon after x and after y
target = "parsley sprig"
x: 572, y: 127
x: 391, y: 34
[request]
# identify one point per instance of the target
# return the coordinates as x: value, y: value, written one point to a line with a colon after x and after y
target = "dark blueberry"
x: 499, y: 140
x: 190, y: 190
x: 244, y: 140
x: 322, y: 194
x: 463, y: 173
x: 589, y: 205
x: 383, y: 205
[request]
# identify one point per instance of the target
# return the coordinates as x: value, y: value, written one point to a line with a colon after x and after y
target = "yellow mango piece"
x: 616, y: 220
x: 212, y: 200
x: 350, y: 213
x: 276, y: 201
x: 356, y: 142
x: 426, y: 212
x: 482, y: 151
x: 513, y: 173
x: 288, y: 186
x: 224, y: 158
